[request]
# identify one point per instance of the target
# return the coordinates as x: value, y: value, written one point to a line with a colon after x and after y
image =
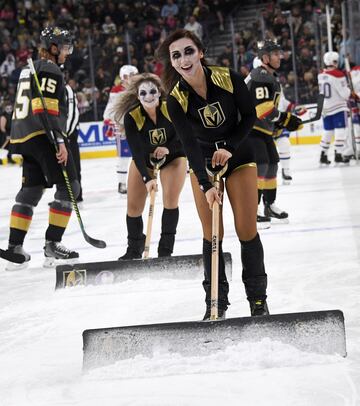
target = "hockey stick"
x: 215, y: 174
x: 156, y: 163
x: 353, y: 138
x: 319, y: 108
x: 52, y: 138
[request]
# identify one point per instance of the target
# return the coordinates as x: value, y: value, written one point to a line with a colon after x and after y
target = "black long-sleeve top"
x: 226, y: 116
x: 144, y: 136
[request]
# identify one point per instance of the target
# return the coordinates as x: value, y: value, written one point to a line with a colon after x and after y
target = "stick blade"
x: 319, y: 332
x: 100, y: 273
x: 95, y: 243
x: 320, y: 105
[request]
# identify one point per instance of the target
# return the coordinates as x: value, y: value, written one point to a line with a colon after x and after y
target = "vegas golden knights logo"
x: 74, y: 278
x: 157, y: 136
x: 212, y: 115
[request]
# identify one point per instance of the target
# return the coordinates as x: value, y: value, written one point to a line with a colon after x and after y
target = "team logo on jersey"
x: 157, y: 136
x: 74, y: 278
x: 212, y: 115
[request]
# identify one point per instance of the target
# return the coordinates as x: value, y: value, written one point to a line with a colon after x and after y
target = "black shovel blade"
x: 108, y: 272
x: 319, y: 332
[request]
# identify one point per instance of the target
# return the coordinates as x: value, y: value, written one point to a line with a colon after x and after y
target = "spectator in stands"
x: 108, y: 27
x: 194, y: 26
x: 170, y: 8
x: 8, y: 66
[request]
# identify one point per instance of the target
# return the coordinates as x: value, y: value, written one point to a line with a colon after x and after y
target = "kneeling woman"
x: 212, y: 112
x: 149, y: 131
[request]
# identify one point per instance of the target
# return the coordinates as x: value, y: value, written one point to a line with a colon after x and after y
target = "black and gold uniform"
x: 206, y: 125
x: 144, y: 136
x: 40, y: 165
x: 222, y: 120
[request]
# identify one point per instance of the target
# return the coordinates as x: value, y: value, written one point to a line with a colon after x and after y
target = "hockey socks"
x: 169, y: 221
x: 59, y: 216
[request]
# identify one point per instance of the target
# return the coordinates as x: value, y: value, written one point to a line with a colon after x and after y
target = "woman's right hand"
x: 151, y: 185
x: 212, y: 196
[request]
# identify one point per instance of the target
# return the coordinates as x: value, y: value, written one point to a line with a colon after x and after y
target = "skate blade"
x: 51, y: 262
x: 263, y: 226
x: 286, y: 182
x: 12, y: 267
x: 275, y: 220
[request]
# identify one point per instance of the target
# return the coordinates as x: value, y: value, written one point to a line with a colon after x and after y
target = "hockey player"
x: 265, y: 90
x: 149, y: 131
x: 333, y: 84
x: 117, y: 130
x: 355, y: 101
x: 41, y: 166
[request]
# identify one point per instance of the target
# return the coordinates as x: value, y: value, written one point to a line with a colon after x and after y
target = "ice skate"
x: 18, y: 249
x: 341, y: 159
x: 286, y: 177
x: 259, y: 307
x: 56, y: 254
x: 122, y: 189
x: 272, y: 211
x: 263, y: 222
x: 324, y: 159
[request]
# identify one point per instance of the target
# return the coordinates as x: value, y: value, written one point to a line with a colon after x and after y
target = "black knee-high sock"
x: 169, y: 222
x: 136, y: 237
x: 253, y: 274
x: 223, y: 283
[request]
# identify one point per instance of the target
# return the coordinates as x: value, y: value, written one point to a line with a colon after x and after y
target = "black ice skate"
x: 272, y: 211
x: 259, y: 307
x: 287, y: 178
x: 324, y: 159
x: 130, y: 254
x: 13, y: 254
x: 340, y: 159
x: 122, y: 188
x: 56, y: 253
x: 221, y: 314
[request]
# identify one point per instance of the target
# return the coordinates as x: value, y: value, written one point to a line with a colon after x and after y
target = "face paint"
x: 148, y: 94
x: 185, y: 57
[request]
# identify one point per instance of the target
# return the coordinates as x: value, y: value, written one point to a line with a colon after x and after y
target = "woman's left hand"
x: 220, y: 157
x: 160, y: 152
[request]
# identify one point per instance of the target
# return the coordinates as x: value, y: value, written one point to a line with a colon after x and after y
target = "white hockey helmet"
x: 128, y: 70
x: 331, y: 58
x: 256, y: 62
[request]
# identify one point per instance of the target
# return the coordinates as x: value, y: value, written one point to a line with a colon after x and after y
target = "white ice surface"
x: 313, y: 263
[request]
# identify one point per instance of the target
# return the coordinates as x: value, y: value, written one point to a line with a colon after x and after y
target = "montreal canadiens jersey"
x: 333, y: 85
x: 114, y: 97
x: 28, y: 115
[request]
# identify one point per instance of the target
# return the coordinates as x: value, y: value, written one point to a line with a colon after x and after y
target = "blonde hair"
x: 129, y: 98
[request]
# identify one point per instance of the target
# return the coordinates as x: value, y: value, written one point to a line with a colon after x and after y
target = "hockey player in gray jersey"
x: 265, y: 90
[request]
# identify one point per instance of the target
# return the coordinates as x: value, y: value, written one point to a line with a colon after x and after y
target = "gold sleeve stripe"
x: 264, y: 109
x: 59, y: 218
x: 181, y: 97
x: 220, y: 76
x: 138, y: 118
x: 20, y: 221
x: 52, y: 105
x: 164, y: 110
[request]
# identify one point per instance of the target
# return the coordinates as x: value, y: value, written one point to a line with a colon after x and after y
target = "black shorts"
x: 265, y: 148
x: 169, y: 158
x: 40, y: 166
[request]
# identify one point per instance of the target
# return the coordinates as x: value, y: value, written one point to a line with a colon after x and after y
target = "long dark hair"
x: 170, y: 76
x: 129, y: 98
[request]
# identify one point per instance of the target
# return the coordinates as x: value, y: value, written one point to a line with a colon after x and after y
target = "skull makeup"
x: 149, y: 94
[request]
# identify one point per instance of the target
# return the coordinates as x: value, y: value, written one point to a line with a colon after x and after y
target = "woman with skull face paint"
x: 204, y: 104
x: 149, y: 131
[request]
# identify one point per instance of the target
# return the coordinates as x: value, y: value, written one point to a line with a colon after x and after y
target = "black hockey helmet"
x: 267, y: 46
x: 56, y: 36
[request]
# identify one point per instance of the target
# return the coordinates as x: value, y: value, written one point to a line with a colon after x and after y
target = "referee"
x: 72, y: 129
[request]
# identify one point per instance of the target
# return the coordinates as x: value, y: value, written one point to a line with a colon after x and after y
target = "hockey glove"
x: 290, y: 122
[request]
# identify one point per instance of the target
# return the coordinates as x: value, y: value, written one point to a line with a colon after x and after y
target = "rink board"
x: 320, y: 332
x: 108, y: 272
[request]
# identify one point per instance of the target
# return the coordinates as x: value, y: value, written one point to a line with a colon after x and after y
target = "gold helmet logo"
x: 212, y: 115
x: 157, y: 136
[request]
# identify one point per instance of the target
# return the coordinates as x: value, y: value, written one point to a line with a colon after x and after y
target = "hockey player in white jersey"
x: 114, y: 130
x: 355, y: 102
x: 334, y: 86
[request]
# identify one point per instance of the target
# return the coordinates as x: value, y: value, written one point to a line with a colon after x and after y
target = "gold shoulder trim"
x: 164, y: 110
x: 138, y: 117
x: 181, y: 96
x: 220, y: 76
